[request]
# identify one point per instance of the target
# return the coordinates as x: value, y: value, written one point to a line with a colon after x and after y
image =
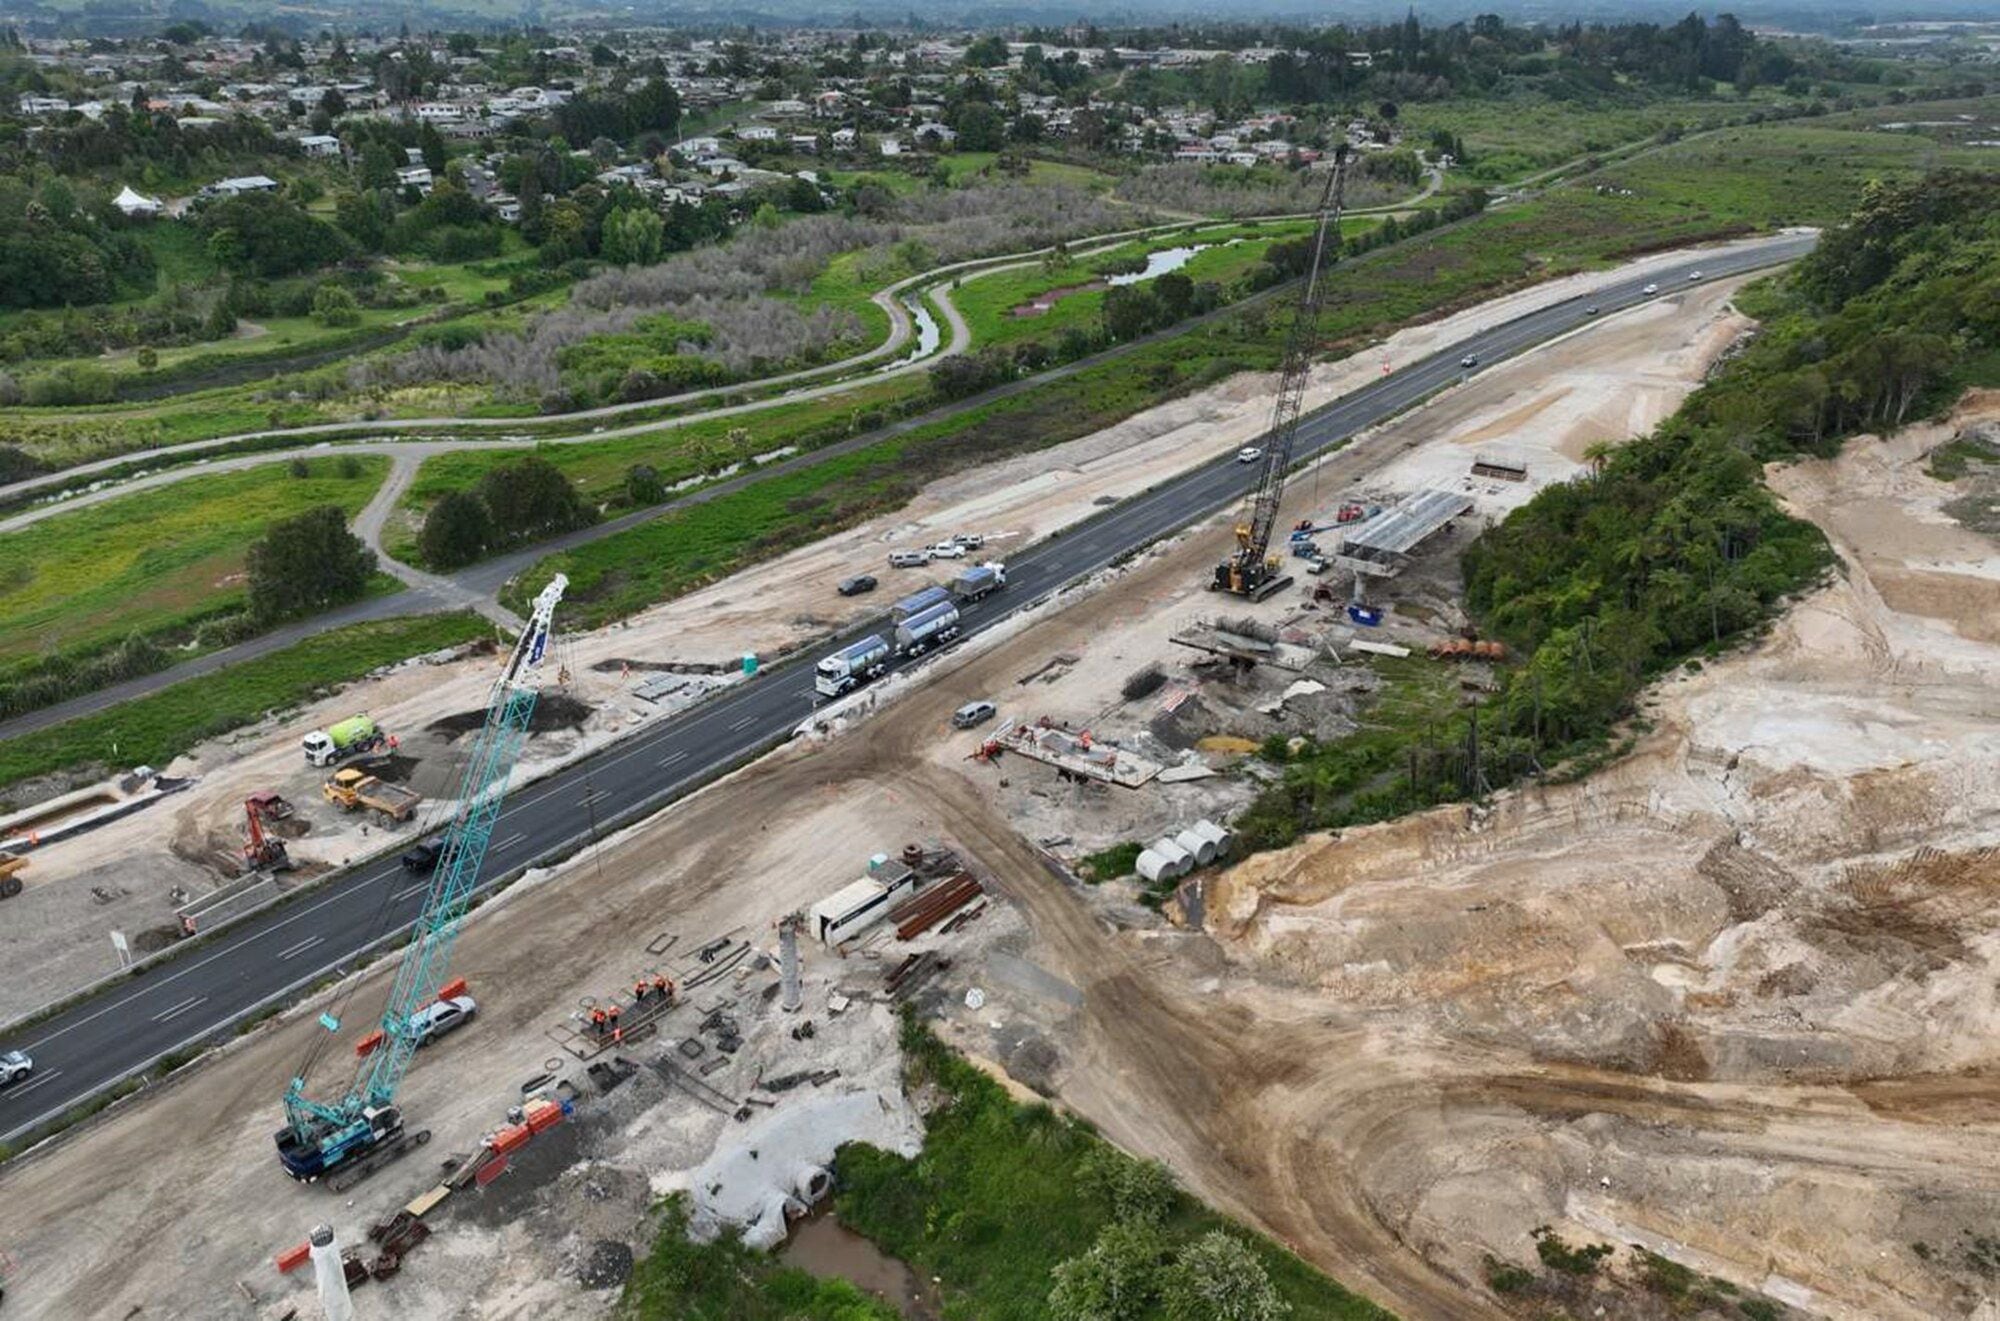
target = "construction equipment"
x: 1253, y: 571
x: 353, y: 790
x: 262, y: 852
x: 348, y: 1137
x: 347, y: 738
x: 11, y: 867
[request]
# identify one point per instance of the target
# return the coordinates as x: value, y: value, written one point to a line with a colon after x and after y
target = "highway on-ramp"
x: 182, y: 1002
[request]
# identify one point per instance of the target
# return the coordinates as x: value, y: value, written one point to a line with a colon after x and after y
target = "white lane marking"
x: 407, y: 891
x: 31, y: 1084
x: 748, y: 720
x: 301, y: 947
x: 178, y: 1009
x: 594, y: 796
x: 512, y: 840
x: 671, y: 759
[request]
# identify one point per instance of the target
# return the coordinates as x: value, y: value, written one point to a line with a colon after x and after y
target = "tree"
x: 1138, y: 1192
x: 1116, y: 1280
x: 148, y: 357
x: 531, y: 499
x: 306, y: 563
x: 1175, y: 294
x: 1129, y: 311
x: 335, y: 306
x: 456, y: 532
x: 632, y: 236
x: 980, y: 127
x: 987, y: 52
x: 1218, y: 1278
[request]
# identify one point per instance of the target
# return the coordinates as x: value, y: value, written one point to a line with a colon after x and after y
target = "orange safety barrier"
x: 294, y: 1257
x: 366, y: 1046
x: 512, y: 1138
x: 542, y: 1115
x: 490, y: 1171
x: 452, y: 989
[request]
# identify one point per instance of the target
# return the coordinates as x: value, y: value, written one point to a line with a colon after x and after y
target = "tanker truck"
x: 852, y: 666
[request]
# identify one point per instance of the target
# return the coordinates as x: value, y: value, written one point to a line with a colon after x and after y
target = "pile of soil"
x: 553, y: 711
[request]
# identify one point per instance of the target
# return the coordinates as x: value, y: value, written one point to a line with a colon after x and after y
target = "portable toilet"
x: 749, y: 663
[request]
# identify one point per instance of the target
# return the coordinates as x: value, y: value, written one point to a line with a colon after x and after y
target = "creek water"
x: 820, y: 1245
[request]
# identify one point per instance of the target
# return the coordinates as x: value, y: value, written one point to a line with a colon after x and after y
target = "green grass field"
x: 1512, y: 137
x: 154, y: 560
x: 154, y: 730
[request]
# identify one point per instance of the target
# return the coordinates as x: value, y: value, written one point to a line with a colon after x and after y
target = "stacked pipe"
x: 917, y: 915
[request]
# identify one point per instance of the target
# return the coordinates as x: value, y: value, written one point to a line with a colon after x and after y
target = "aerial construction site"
x: 521, y: 940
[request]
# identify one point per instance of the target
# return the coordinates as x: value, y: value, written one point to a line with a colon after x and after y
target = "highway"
x: 183, y: 1002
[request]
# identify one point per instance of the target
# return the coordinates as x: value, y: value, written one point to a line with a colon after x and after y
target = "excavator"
x: 262, y: 852
x: 1254, y: 572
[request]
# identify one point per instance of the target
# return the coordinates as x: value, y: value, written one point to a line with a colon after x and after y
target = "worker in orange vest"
x: 597, y: 1021
x: 664, y: 987
x: 612, y: 1013
x: 639, y: 989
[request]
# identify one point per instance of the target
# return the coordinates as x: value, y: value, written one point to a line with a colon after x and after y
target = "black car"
x: 856, y: 585
x: 422, y: 858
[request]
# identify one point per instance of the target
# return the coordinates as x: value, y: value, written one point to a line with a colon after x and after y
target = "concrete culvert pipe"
x: 1216, y: 835
x: 1182, y: 860
x: 811, y: 1184
x: 1200, y: 846
x: 1152, y: 866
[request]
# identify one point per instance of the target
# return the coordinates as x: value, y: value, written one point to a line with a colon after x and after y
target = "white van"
x: 909, y: 559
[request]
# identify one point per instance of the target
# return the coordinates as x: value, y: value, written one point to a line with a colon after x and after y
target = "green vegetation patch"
x: 153, y: 730
x: 1007, y: 1202
x: 679, y: 1280
x: 159, y: 559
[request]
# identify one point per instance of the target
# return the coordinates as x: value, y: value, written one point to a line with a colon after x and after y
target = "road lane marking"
x: 750, y: 719
x: 671, y: 759
x: 31, y: 1084
x: 178, y: 1009
x: 301, y: 947
x: 512, y: 840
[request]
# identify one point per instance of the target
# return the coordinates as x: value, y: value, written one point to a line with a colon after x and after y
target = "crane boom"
x: 1251, y: 571
x: 321, y: 1135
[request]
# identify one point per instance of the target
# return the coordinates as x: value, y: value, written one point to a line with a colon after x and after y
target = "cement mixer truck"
x: 337, y: 742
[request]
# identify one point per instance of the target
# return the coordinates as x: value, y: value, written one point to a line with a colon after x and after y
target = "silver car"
x: 434, y: 1020
x: 14, y: 1066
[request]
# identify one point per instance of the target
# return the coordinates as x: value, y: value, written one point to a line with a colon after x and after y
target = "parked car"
x: 421, y: 859
x: 1249, y: 454
x: 947, y: 550
x: 909, y: 559
x: 969, y: 540
x: 1650, y: 289
x: 857, y: 585
x: 973, y: 713
x: 14, y: 1066
x: 434, y: 1020
x: 1591, y: 310
x: 1469, y: 360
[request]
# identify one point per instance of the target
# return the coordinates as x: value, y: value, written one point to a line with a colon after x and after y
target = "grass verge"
x: 153, y: 730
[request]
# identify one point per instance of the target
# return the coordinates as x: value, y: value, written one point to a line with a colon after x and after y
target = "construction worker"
x: 597, y: 1021
x: 663, y: 987
x: 639, y: 989
x: 612, y: 1013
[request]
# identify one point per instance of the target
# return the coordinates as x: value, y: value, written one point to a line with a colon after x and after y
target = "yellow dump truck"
x: 354, y: 791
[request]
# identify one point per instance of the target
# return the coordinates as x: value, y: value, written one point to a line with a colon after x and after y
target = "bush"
x: 334, y: 306
x: 71, y: 383
x: 456, y: 532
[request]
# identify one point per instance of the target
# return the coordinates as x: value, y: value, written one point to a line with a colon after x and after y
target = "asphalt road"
x: 182, y: 1002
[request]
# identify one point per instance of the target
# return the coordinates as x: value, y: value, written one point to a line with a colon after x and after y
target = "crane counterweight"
x: 1253, y: 571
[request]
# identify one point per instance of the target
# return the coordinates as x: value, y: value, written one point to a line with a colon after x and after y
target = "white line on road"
x: 178, y: 1009
x: 512, y: 840
x: 31, y: 1084
x: 405, y: 893
x: 671, y: 758
x: 745, y: 722
x: 301, y: 947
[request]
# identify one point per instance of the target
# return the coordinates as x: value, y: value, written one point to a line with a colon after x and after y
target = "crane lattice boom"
x: 1251, y: 571
x: 323, y: 1133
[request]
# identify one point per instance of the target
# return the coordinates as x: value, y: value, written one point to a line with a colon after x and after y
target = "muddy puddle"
x: 820, y: 1245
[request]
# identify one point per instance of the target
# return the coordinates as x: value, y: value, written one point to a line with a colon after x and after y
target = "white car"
x: 433, y: 1021
x: 969, y: 540
x: 1469, y: 360
x: 1693, y: 276
x: 1249, y: 454
x: 14, y: 1066
x: 947, y: 550
x: 1650, y: 289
